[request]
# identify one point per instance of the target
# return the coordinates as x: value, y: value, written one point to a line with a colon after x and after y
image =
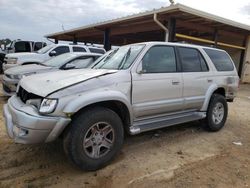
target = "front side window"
x: 192, y: 60
x: 61, y: 50
x: 220, y: 59
x: 159, y: 59
x: 120, y: 58
x: 78, y: 49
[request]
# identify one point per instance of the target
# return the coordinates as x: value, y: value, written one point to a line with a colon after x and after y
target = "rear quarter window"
x: 220, y: 59
x: 96, y: 50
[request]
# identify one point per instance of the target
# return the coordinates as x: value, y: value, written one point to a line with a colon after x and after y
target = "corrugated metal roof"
x: 170, y: 8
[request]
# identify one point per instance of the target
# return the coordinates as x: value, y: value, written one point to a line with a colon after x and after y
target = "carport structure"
x: 175, y: 23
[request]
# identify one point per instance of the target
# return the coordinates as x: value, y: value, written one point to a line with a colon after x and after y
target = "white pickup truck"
x: 15, y: 59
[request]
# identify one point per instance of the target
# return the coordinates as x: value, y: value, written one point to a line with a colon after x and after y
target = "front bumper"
x: 24, y: 125
x: 8, y: 65
x: 9, y: 86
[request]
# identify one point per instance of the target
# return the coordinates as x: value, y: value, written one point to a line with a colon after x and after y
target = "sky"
x: 32, y: 19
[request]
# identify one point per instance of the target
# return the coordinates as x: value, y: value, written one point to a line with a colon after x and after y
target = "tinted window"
x: 61, y: 50
x: 96, y: 50
x: 83, y: 62
x: 204, y: 66
x: 22, y: 46
x: 78, y: 49
x: 221, y: 60
x: 38, y: 46
x: 159, y: 59
x: 192, y: 60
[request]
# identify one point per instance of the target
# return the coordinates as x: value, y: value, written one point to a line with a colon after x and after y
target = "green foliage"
x: 5, y: 41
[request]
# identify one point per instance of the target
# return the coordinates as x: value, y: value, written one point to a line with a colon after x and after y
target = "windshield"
x: 120, y: 58
x: 45, y: 49
x: 60, y: 60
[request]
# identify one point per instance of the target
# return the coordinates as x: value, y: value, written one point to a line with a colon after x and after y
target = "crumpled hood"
x: 47, y: 83
x: 26, y: 69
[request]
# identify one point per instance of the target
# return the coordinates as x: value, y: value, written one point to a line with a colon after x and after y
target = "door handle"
x: 209, y: 80
x: 175, y: 82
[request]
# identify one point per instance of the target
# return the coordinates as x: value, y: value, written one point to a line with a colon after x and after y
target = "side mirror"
x: 69, y: 66
x: 52, y: 53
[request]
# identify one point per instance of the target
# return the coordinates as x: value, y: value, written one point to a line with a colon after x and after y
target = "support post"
x: 56, y: 41
x: 171, y: 29
x: 242, y: 55
x: 75, y: 40
x: 106, y: 39
x: 215, y: 37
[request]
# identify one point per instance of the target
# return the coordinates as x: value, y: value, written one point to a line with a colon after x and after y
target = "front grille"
x: 25, y: 95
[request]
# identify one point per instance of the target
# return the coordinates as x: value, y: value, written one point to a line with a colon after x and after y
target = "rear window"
x: 22, y: 46
x: 220, y: 59
x: 97, y: 50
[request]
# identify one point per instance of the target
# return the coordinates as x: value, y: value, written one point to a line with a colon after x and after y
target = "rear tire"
x: 94, y: 138
x: 216, y: 113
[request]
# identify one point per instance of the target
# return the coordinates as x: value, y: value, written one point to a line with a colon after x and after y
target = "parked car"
x: 136, y: 88
x: 46, y: 53
x: 18, y: 46
x: 65, y: 61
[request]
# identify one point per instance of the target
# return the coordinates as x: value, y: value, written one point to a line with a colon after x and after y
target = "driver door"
x: 157, y: 87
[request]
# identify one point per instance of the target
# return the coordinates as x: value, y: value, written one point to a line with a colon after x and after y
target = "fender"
x: 99, y: 96
x: 208, y: 95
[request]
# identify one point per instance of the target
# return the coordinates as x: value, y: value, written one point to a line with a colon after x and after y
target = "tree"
x: 5, y: 41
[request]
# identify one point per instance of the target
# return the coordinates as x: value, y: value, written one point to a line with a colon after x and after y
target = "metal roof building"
x: 176, y: 23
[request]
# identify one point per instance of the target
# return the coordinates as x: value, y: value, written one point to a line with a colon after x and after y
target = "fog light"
x: 19, y: 132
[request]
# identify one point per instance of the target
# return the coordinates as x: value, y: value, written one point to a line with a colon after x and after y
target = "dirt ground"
x: 180, y: 156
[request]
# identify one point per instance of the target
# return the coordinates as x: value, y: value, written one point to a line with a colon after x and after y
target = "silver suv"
x: 136, y: 88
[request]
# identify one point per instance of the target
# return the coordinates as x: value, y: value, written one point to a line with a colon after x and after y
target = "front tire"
x: 217, y: 113
x: 94, y: 138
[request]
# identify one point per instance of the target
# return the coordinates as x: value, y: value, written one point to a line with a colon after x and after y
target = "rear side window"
x: 22, y: 46
x: 192, y: 60
x: 78, y: 49
x: 97, y: 50
x: 220, y: 59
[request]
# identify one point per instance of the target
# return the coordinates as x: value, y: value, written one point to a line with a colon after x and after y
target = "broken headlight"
x: 48, y: 106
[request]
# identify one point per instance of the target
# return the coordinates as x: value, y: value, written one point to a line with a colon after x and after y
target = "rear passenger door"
x: 157, y: 84
x: 196, y: 77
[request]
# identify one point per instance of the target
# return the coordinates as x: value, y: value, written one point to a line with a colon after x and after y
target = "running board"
x: 166, y: 121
